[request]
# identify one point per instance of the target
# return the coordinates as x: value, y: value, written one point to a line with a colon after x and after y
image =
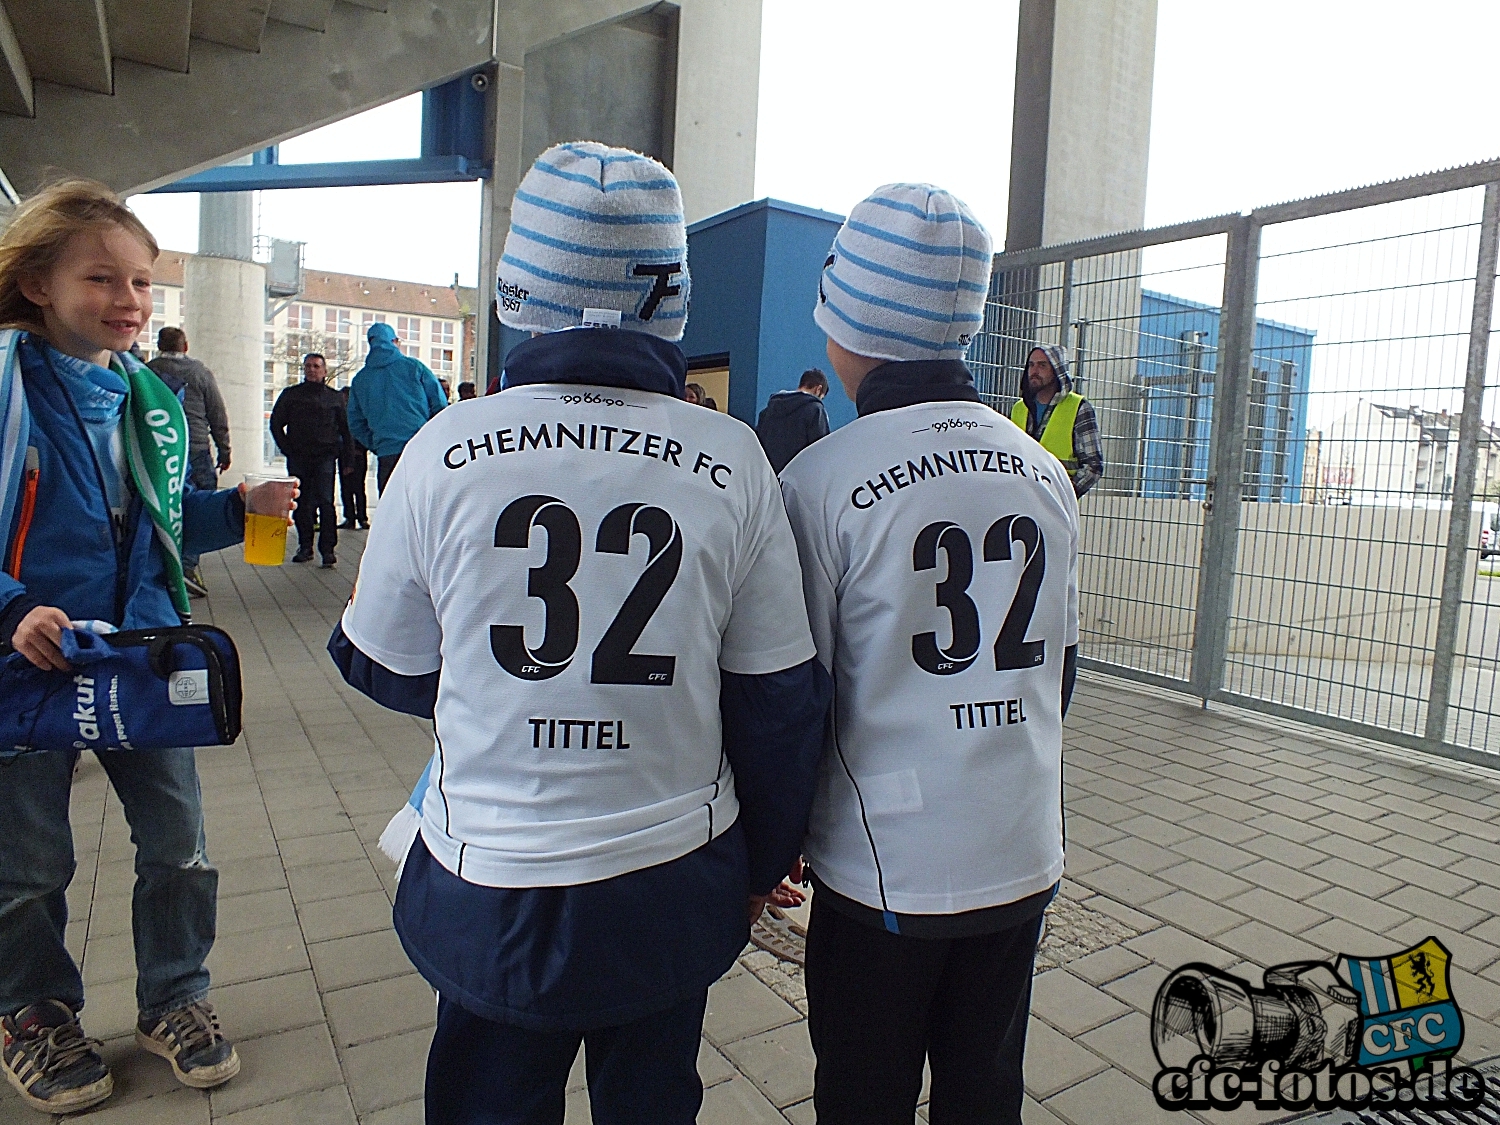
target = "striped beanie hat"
x: 597, y: 239
x: 906, y: 277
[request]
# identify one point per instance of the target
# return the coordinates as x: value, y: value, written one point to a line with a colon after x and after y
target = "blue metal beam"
x: 347, y: 173
x: 452, y: 151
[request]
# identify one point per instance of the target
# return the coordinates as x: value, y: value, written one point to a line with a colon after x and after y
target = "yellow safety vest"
x: 1057, y: 434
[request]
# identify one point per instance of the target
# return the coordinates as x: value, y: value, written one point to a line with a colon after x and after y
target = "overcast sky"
x: 1254, y: 102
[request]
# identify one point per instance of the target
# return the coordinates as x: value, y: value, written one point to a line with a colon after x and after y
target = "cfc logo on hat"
x: 663, y: 272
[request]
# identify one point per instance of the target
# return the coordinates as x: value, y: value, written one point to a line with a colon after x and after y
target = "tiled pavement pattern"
x: 1194, y: 836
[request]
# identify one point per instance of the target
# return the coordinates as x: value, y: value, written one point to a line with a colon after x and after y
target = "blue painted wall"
x: 1177, y: 421
x: 755, y: 280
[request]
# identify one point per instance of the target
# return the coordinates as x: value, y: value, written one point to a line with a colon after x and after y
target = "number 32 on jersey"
x: 1012, y: 649
x: 613, y: 660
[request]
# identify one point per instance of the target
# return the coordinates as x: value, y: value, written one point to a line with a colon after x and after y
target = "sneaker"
x: 364, y: 525
x: 347, y: 525
x: 191, y: 1041
x: 302, y: 556
x: 193, y: 580
x: 329, y: 562
x: 49, y: 1061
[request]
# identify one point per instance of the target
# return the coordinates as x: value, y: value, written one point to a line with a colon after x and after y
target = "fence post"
x: 1065, y: 317
x: 1456, y: 561
x: 1222, y: 499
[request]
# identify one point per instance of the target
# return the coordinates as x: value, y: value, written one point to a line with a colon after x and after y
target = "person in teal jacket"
x: 390, y: 399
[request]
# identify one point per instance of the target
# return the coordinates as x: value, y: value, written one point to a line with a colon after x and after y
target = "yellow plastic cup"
x: 268, y: 503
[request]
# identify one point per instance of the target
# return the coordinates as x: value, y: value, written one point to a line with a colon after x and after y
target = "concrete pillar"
x: 505, y: 141
x: 225, y: 324
x: 680, y: 82
x: 1081, y: 121
x: 718, y: 102
x: 226, y: 315
x: 1080, y: 139
x: 226, y: 222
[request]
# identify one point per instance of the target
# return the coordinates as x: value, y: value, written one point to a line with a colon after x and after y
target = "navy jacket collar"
x: 893, y: 385
x: 600, y: 357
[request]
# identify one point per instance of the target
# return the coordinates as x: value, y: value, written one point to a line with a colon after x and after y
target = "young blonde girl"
x: 95, y: 514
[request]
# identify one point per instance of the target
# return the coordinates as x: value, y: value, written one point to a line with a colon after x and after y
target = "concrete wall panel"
x: 613, y: 83
x: 232, y: 23
x: 312, y: 14
x: 15, y: 75
x: 64, y: 41
x: 155, y: 34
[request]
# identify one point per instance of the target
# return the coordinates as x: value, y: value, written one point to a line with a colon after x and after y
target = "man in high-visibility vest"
x: 1056, y: 415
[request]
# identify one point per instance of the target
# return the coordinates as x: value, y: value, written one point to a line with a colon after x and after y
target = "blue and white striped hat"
x: 906, y: 277
x: 596, y: 239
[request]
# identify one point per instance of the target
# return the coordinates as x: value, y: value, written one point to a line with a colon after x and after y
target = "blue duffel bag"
x: 141, y: 689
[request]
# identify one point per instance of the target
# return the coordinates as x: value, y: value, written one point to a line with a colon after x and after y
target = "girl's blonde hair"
x: 32, y: 243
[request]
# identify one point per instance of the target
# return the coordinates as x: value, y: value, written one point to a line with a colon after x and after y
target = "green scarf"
x: 156, y: 446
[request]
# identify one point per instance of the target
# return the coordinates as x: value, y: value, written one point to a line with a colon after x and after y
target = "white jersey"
x: 939, y: 551
x: 580, y: 562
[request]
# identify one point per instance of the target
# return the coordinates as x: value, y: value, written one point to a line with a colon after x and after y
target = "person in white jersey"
x: 593, y: 589
x: 939, y: 558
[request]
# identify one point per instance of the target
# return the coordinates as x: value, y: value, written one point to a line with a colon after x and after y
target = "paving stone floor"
x: 1193, y: 836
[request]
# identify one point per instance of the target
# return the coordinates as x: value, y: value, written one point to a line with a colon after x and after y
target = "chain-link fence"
x: 1300, y: 511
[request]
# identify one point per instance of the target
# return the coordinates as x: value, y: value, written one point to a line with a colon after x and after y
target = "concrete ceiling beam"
x: 155, y: 34
x: 232, y: 23
x: 15, y: 75
x: 64, y: 41
x: 152, y: 131
x: 311, y: 14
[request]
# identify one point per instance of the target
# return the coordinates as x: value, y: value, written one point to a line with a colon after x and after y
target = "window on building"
x: 409, y: 334
x: 159, y: 301
x: 442, y: 359
x: 336, y: 322
x: 299, y: 317
x: 442, y: 332
x: 270, y: 343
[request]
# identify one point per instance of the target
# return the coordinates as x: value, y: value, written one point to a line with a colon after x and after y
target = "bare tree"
x: 338, y: 353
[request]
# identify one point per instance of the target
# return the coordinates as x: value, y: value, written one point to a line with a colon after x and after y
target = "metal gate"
x: 1302, y: 486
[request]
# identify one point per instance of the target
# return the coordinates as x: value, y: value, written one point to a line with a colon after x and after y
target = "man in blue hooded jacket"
x: 390, y: 399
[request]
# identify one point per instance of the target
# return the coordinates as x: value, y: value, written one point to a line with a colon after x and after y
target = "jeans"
x: 880, y: 1003
x: 384, y: 467
x: 352, y: 488
x: 203, y: 471
x: 315, y: 503
x: 643, y: 1073
x: 174, y: 910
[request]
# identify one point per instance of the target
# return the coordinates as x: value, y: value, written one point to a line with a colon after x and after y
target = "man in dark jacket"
x: 206, y: 417
x: 309, y: 427
x: 793, y: 420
